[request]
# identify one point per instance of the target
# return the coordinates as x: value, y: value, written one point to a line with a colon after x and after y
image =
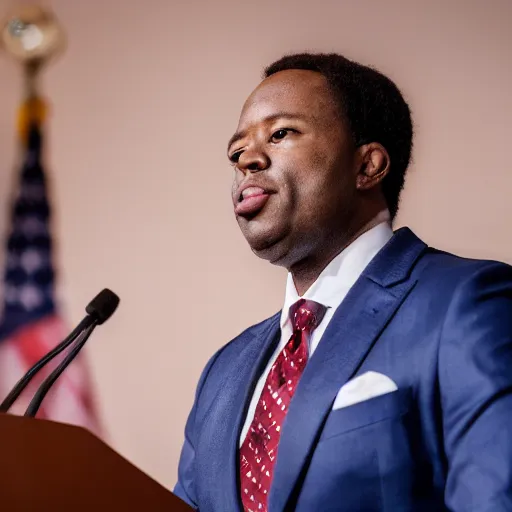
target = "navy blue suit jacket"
x: 441, y: 328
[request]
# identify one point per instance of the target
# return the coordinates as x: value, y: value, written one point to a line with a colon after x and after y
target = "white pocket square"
x: 363, y: 387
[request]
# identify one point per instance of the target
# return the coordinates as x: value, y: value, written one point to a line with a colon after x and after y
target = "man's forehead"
x: 287, y: 86
x: 293, y: 92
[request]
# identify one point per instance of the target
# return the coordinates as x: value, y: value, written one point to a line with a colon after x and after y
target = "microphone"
x: 98, y: 311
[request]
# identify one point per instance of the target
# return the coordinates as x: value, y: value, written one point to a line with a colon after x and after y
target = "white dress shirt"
x: 329, y: 289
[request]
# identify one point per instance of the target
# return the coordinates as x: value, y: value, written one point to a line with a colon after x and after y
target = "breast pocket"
x: 385, y: 407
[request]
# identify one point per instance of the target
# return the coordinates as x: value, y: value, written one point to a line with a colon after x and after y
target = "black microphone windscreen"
x: 103, y: 305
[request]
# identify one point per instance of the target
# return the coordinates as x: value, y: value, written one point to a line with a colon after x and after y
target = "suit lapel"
x: 351, y: 333
x: 242, y: 379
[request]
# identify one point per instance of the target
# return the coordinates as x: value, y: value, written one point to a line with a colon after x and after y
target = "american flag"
x: 30, y: 324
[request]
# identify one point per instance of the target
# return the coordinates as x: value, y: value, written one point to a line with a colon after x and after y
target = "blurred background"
x: 142, y: 105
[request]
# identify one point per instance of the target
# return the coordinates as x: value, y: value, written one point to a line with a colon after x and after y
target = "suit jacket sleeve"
x: 475, y: 379
x: 185, y: 487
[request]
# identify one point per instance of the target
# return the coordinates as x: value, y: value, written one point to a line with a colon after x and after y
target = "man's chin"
x: 269, y: 248
x: 266, y: 239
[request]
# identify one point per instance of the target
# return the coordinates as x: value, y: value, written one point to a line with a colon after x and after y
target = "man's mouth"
x: 251, y: 201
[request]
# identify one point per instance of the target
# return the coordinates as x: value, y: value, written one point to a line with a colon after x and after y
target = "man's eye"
x: 280, y: 134
x: 235, y: 157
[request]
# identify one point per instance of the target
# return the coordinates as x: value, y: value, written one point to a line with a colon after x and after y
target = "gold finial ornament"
x: 32, y: 35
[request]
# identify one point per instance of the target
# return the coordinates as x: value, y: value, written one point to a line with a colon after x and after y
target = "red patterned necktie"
x: 259, y: 449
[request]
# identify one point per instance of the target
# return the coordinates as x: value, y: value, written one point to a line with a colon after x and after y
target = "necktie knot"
x: 306, y: 315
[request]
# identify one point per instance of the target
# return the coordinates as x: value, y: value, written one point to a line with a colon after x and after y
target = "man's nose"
x: 253, y: 160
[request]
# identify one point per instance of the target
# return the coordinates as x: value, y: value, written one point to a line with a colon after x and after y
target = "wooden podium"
x: 48, y: 466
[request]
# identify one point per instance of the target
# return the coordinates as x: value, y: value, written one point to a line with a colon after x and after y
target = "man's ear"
x: 374, y: 165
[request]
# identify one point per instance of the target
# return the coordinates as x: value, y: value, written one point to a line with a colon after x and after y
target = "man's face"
x: 295, y: 178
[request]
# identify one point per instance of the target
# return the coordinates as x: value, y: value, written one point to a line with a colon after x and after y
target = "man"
x: 385, y: 384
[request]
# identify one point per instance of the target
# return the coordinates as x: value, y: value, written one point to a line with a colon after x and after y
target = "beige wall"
x: 144, y: 102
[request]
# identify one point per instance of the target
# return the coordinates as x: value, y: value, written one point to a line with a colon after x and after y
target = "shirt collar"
x: 342, y: 272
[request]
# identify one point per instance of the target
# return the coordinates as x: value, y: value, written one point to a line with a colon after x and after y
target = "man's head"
x: 324, y: 144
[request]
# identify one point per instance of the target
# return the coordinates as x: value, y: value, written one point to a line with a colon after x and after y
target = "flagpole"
x: 31, y: 323
x: 31, y: 74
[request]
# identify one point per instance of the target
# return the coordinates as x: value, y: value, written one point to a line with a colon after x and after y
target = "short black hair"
x: 371, y: 104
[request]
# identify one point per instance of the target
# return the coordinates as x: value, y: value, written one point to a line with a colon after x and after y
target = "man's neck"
x: 306, y: 272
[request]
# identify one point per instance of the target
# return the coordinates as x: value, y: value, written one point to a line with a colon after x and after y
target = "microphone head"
x: 103, y: 306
